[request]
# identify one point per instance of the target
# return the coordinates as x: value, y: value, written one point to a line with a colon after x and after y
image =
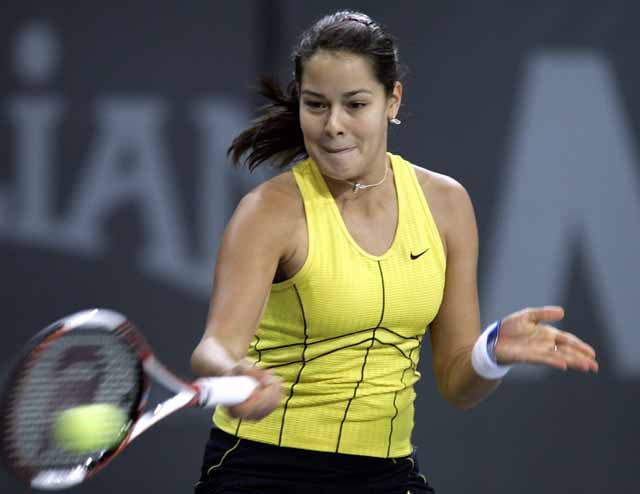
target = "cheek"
x: 373, y: 128
x: 309, y: 126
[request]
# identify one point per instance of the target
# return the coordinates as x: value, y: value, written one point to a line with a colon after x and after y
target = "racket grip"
x: 225, y: 391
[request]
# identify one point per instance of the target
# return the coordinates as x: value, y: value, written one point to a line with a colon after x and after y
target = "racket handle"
x: 224, y: 390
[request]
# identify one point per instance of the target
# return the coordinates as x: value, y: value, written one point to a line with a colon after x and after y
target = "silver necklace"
x: 357, y: 186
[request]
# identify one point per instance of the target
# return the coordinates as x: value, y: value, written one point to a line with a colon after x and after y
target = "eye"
x: 314, y: 105
x: 356, y: 105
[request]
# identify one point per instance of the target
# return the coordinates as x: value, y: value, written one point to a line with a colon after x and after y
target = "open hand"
x: 525, y: 338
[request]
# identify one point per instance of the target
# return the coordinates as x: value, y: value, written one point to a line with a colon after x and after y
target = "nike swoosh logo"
x: 414, y: 257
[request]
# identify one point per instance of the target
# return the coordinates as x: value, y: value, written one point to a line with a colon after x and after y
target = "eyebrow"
x: 348, y: 94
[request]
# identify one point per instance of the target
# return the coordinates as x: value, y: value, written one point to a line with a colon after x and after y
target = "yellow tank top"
x: 345, y: 331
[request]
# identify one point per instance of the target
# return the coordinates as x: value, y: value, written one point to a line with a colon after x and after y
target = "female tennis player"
x: 330, y: 274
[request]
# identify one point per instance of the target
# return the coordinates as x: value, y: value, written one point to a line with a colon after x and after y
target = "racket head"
x: 93, y: 356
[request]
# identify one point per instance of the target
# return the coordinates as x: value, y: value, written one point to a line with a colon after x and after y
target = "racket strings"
x: 80, y: 367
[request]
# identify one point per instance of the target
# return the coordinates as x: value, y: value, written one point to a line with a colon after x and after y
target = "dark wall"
x: 114, y: 190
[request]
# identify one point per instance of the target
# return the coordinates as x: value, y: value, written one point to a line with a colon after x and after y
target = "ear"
x: 394, y: 100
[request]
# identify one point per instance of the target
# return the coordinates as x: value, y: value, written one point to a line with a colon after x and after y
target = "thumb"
x: 546, y: 313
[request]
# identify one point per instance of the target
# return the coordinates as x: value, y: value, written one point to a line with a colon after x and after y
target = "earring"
x: 395, y: 121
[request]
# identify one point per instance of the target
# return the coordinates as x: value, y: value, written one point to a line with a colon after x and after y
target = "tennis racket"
x: 93, y: 356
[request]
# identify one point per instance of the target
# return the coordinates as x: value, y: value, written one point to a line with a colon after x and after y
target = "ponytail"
x: 276, y: 135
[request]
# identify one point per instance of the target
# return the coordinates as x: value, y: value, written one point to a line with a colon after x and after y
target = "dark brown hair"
x: 276, y: 135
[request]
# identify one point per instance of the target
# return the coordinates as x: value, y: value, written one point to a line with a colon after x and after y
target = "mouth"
x: 339, y: 150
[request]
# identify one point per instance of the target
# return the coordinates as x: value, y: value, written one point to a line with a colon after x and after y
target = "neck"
x: 357, y: 186
x: 347, y: 190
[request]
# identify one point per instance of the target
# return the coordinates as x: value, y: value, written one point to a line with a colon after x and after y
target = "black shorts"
x: 233, y: 465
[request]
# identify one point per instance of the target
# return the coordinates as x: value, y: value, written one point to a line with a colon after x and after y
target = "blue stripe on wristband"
x: 481, y: 361
x: 492, y: 339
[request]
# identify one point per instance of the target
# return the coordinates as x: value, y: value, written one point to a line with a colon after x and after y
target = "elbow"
x: 460, y: 398
x: 463, y: 405
x: 458, y: 383
x: 460, y: 403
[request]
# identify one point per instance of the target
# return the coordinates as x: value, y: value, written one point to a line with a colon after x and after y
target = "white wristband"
x: 481, y: 361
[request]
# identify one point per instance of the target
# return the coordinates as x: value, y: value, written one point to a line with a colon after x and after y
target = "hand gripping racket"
x: 94, y: 356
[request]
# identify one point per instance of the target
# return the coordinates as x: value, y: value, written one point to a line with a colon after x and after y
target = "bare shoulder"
x: 449, y: 202
x: 438, y: 186
x: 272, y: 213
x: 278, y: 199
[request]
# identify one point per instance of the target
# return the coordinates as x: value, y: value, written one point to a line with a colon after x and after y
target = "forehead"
x: 337, y: 72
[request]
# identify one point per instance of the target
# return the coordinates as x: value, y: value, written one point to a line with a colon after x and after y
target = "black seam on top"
x: 364, y: 363
x: 289, y: 345
x: 355, y: 391
x: 383, y: 299
x: 395, y: 396
x: 259, y: 352
x: 304, y: 320
x: 318, y: 356
x: 398, y: 334
x: 337, y: 350
x: 404, y: 355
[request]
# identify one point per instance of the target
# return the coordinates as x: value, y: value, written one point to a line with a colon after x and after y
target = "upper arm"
x: 457, y: 325
x: 256, y: 239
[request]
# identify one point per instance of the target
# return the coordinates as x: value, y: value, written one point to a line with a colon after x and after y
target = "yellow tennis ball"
x: 90, y: 427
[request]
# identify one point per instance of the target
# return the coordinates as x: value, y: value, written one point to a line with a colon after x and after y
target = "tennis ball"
x: 90, y: 427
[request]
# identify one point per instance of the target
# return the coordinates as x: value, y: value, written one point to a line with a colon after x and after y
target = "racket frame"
x: 204, y: 392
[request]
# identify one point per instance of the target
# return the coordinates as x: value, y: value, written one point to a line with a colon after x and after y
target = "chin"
x: 338, y: 167
x: 337, y: 171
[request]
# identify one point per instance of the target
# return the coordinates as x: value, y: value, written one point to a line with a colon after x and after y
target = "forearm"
x: 211, y: 358
x: 462, y: 386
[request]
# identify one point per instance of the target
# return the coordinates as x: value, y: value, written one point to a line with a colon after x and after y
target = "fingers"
x: 563, y: 350
x: 549, y: 358
x: 263, y: 376
x: 546, y: 313
x: 562, y: 358
x: 578, y: 361
x: 547, y: 345
x: 260, y: 404
x: 264, y: 399
x: 576, y: 353
x: 567, y: 339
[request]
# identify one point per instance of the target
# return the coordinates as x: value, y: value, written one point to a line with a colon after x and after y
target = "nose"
x: 334, y: 125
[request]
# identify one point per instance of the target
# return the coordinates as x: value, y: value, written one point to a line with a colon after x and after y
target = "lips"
x: 340, y: 150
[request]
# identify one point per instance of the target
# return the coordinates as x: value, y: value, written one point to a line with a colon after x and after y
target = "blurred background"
x: 115, y: 188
